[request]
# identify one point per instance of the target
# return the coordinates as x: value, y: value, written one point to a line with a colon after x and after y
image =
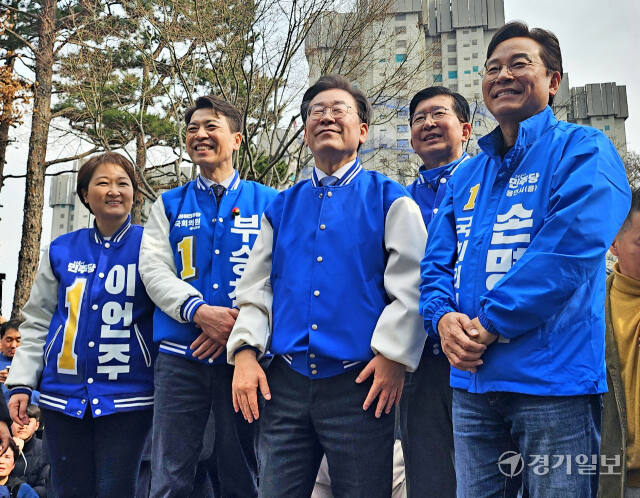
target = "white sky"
x: 598, y: 42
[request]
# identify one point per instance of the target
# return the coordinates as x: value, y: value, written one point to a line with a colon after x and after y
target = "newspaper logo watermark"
x: 511, y: 464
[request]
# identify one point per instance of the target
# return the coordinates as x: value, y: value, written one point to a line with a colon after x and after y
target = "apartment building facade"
x: 443, y: 42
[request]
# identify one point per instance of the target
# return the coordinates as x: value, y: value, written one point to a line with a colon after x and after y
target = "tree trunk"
x: 141, y: 163
x: 34, y: 188
x: 4, y: 142
x: 4, y: 132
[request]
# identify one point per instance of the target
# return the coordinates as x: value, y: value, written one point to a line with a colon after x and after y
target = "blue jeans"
x: 306, y: 418
x: 427, y: 430
x: 95, y: 456
x: 547, y: 431
x: 185, y: 393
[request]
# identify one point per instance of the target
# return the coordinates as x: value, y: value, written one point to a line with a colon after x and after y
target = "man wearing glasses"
x: 440, y: 128
x: 513, y: 282
x: 331, y: 290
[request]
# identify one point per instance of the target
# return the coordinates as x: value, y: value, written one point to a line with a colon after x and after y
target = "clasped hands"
x: 216, y: 323
x: 464, y: 341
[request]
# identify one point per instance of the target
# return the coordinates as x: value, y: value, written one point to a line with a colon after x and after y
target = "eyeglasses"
x: 515, y: 68
x: 316, y: 111
x: 436, y: 115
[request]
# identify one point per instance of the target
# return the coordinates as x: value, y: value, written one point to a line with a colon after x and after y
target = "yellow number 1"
x: 67, y: 358
x: 186, y: 250
x: 473, y: 193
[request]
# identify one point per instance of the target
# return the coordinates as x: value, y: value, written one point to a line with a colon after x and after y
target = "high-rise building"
x: 68, y: 213
x: 600, y: 105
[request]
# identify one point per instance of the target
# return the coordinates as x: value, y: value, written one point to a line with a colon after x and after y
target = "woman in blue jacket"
x: 87, y: 342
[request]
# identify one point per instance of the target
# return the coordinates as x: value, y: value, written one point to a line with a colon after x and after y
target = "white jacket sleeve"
x: 399, y: 334
x: 254, y: 297
x: 28, y: 361
x: 158, y: 270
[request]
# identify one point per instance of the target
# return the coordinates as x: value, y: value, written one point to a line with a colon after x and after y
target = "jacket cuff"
x: 21, y: 390
x: 437, y: 315
x: 189, y: 307
x: 246, y: 346
x: 486, y: 323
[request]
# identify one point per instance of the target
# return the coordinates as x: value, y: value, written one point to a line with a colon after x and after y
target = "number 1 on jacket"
x: 186, y: 250
x: 67, y: 358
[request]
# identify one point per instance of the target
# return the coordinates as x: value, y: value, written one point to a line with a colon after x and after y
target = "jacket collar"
x: 235, y: 181
x: 119, y: 235
x: 529, y: 131
x: 349, y: 175
x: 432, y: 176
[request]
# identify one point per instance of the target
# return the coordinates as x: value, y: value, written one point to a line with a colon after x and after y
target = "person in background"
x: 9, y: 342
x: 87, y: 341
x: 439, y: 120
x: 620, y: 466
x: 32, y: 465
x: 10, y: 485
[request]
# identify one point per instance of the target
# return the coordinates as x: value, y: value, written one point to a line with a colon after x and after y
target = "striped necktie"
x: 327, y: 181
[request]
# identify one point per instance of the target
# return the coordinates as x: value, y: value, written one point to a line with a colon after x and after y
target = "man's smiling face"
x: 513, y: 99
x: 210, y: 141
x: 438, y: 142
x: 329, y: 135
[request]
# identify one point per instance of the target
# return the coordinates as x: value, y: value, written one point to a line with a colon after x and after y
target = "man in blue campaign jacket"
x: 195, y: 248
x: 440, y: 128
x: 513, y: 281
x: 331, y: 290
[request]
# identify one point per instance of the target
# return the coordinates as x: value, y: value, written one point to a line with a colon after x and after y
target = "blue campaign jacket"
x: 519, y: 242
x: 98, y: 353
x: 219, y: 239
x: 328, y: 268
x: 428, y: 190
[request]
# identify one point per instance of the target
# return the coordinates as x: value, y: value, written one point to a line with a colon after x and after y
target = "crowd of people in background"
x: 246, y: 338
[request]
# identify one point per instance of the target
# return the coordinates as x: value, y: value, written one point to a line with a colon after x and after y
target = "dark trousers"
x: 185, y: 393
x: 427, y: 430
x: 95, y: 456
x: 308, y: 418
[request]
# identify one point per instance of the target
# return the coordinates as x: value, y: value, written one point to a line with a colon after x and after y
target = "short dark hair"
x: 549, y: 44
x: 329, y: 82
x: 33, y: 411
x: 11, y: 324
x: 218, y: 106
x: 86, y: 171
x: 635, y: 208
x: 460, y: 104
x: 14, y: 449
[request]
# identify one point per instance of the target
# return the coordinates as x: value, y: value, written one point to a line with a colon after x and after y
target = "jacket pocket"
x: 47, y: 350
x: 143, y: 346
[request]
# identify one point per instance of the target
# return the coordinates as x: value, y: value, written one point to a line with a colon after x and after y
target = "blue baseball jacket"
x: 519, y: 242
x: 87, y: 337
x: 333, y: 276
x: 194, y: 252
